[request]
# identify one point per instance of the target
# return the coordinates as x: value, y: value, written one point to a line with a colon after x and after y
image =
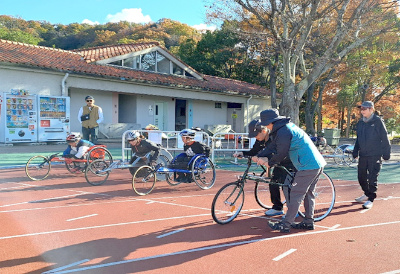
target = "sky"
x: 191, y: 12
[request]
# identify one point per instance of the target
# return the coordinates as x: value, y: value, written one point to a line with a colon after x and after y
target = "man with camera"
x: 90, y: 116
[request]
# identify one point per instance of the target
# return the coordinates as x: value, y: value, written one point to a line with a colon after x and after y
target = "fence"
x: 171, y: 141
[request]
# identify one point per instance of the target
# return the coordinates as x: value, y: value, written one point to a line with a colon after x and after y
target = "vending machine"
x: 20, y: 115
x: 54, y: 119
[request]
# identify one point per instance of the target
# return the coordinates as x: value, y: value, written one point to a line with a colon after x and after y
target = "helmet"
x: 132, y: 135
x: 188, y: 133
x: 73, y: 137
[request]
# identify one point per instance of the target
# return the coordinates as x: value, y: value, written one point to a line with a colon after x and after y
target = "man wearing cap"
x: 289, y: 139
x: 90, y: 116
x: 262, y: 146
x: 372, y: 144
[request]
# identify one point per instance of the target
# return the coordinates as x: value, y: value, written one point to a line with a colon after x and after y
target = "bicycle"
x: 38, y: 167
x: 98, y: 171
x: 229, y: 200
x: 201, y: 168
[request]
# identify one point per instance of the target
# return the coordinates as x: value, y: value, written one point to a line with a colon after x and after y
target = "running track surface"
x: 64, y: 225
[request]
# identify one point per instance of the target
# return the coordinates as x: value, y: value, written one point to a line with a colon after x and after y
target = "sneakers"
x: 361, y: 199
x: 274, y: 212
x: 279, y: 226
x: 303, y: 225
x: 368, y: 205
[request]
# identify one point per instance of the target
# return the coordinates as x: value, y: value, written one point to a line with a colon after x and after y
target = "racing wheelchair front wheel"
x: 38, y: 168
x: 144, y: 180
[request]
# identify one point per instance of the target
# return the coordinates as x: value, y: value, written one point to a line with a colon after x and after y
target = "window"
x: 117, y: 63
x: 128, y: 62
x: 218, y: 105
x: 162, y: 64
x: 152, y: 61
x: 177, y: 70
x: 148, y: 61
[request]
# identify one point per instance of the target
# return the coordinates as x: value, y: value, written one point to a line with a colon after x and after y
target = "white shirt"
x: 101, y: 117
x: 78, y: 153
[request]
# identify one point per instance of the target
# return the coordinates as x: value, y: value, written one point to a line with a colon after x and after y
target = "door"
x: 235, y: 116
x: 180, y: 114
x: 159, y: 115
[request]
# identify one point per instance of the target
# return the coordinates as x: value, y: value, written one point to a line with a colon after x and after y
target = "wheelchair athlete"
x: 191, y: 148
x: 140, y: 146
x: 77, y: 148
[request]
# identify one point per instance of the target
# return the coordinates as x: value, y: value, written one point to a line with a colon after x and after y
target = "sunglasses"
x: 89, y: 100
x: 364, y: 108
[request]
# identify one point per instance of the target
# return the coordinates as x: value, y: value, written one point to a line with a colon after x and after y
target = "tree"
x: 347, y: 24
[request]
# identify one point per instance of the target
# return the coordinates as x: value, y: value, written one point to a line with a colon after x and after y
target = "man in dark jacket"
x: 372, y: 144
x: 262, y: 148
x: 289, y: 139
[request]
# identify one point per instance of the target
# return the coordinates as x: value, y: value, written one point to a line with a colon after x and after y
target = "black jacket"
x: 279, y: 147
x: 196, y: 148
x: 267, y: 149
x: 372, y: 139
x: 144, y: 147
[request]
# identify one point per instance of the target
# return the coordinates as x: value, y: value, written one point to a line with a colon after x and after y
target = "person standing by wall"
x: 372, y: 144
x: 90, y: 116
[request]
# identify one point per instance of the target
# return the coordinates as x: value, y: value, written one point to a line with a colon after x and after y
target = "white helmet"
x: 73, y: 137
x: 188, y: 132
x: 132, y: 135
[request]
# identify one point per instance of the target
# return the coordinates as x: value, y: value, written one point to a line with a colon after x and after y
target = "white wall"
x: 102, y: 98
x: 34, y: 82
x: 104, y: 91
x: 205, y: 113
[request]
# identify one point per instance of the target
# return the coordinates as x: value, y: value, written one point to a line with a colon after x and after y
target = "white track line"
x: 83, y: 217
x: 392, y: 272
x: 283, y: 255
x: 100, y: 226
x: 220, y: 246
x: 169, y: 233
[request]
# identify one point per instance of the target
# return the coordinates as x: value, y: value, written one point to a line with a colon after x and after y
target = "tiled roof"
x: 73, y: 62
x: 105, y: 52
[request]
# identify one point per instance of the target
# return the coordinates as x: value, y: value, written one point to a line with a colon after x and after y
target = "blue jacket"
x: 289, y: 139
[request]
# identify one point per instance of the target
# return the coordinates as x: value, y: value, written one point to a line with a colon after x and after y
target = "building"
x: 135, y: 84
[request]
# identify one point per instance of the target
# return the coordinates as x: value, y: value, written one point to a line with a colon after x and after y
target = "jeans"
x: 92, y: 132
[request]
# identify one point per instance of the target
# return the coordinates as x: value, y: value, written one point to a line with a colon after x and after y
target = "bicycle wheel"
x: 37, y: 168
x: 324, y: 197
x: 338, y: 156
x: 348, y: 157
x: 144, y: 180
x: 227, y: 203
x: 94, y: 173
x: 263, y: 195
x: 99, y: 153
x: 203, y: 172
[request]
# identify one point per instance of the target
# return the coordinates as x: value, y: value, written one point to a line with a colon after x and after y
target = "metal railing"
x: 231, y: 142
x: 170, y: 140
